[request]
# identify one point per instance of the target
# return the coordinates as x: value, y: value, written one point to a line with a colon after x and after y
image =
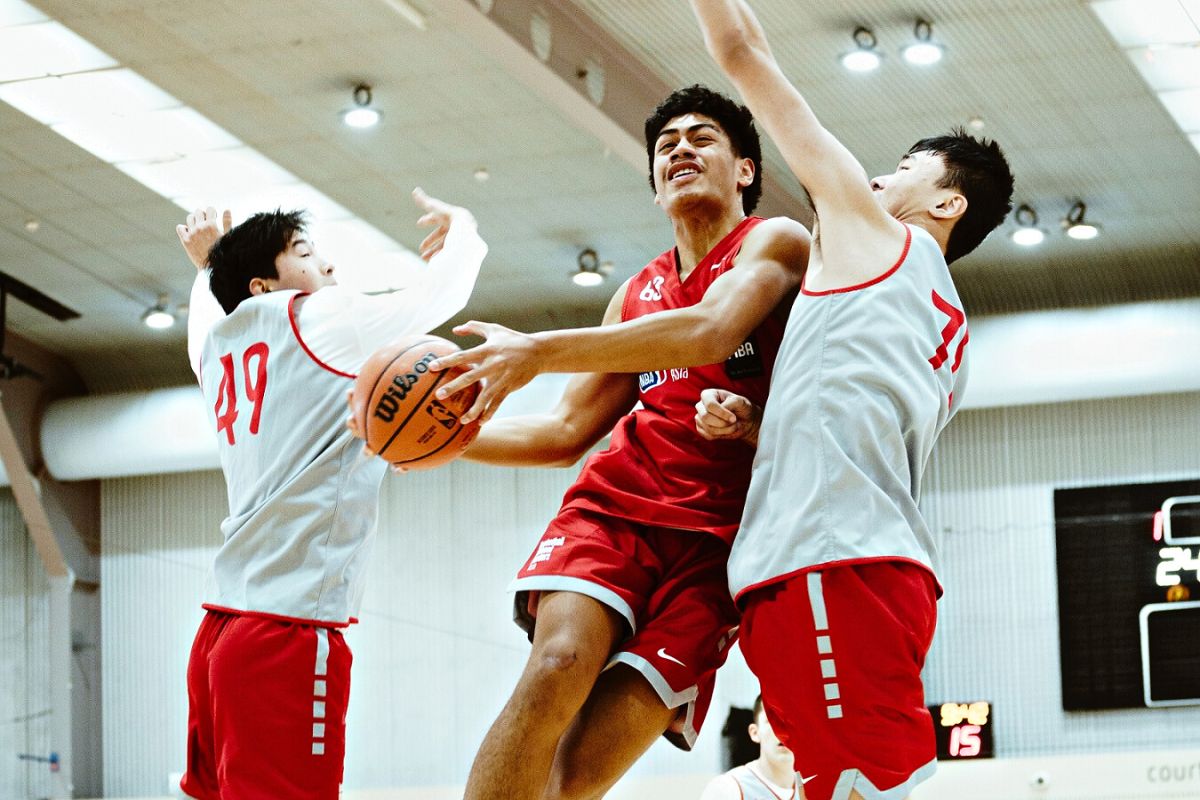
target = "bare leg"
x: 621, y: 719
x: 571, y: 644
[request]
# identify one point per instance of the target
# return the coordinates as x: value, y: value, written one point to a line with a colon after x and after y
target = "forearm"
x: 682, y: 337
x: 730, y: 29
x: 203, y: 312
x: 536, y: 440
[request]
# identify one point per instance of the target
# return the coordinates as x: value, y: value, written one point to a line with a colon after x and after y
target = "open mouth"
x: 681, y: 172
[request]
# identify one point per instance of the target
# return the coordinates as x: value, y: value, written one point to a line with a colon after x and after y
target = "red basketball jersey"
x: 658, y: 470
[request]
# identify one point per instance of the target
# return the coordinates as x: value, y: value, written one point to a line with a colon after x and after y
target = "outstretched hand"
x: 439, y: 215
x: 504, y: 363
x: 201, y: 232
x: 725, y: 415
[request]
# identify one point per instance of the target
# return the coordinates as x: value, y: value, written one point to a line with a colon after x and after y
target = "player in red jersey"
x: 627, y: 586
x: 834, y: 566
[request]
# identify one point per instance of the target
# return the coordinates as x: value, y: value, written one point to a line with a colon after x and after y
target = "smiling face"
x: 914, y: 189
x: 695, y: 165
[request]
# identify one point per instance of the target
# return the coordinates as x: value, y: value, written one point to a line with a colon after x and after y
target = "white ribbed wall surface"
x: 24, y: 659
x: 435, y: 656
x: 989, y: 497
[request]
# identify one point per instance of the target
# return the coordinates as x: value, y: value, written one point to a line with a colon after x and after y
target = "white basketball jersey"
x: 302, y: 496
x: 754, y: 787
x: 866, y: 379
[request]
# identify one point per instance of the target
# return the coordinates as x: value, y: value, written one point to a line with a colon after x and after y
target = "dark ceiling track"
x: 9, y: 366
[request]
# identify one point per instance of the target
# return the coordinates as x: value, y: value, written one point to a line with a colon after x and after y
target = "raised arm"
x: 769, y: 266
x: 342, y: 328
x: 197, y: 235
x: 826, y: 169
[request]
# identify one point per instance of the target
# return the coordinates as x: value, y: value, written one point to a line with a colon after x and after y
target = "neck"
x: 940, y: 231
x: 697, y: 233
x: 777, y: 771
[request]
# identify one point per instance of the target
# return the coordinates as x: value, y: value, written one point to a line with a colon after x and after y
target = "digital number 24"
x: 256, y: 389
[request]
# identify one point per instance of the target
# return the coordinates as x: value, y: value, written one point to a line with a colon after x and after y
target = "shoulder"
x: 780, y: 239
x: 722, y: 787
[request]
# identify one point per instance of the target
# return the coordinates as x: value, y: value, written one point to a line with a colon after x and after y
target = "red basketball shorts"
x: 267, y: 710
x: 668, y: 584
x: 838, y: 654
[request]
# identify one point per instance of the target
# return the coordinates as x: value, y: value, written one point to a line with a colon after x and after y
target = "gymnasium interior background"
x: 115, y: 115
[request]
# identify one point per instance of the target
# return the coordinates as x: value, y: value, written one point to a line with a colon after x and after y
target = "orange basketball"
x: 397, y: 412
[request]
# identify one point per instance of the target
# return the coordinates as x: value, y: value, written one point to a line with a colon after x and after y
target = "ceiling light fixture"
x: 1027, y: 234
x: 363, y: 115
x: 924, y: 51
x: 864, y: 57
x: 1077, y: 227
x: 159, y: 316
x: 589, y: 273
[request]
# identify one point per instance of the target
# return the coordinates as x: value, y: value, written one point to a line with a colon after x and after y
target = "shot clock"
x: 963, y: 730
x: 1129, y: 594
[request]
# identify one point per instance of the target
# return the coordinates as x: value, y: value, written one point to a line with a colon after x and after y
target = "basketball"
x: 397, y: 413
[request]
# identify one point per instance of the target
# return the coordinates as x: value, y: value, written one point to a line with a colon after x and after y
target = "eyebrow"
x: 301, y: 242
x: 692, y: 129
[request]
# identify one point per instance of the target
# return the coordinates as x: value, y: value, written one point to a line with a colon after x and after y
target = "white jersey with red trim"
x: 752, y: 786
x: 866, y: 379
x: 302, y: 496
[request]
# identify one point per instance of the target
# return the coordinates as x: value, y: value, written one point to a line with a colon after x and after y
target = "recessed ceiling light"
x: 864, y: 57
x: 159, y: 315
x: 363, y: 114
x: 924, y: 51
x: 1077, y: 227
x: 482, y: 175
x: 1027, y: 233
x: 32, y: 225
x: 589, y: 273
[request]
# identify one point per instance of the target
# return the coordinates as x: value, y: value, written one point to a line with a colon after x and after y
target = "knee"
x: 561, y: 659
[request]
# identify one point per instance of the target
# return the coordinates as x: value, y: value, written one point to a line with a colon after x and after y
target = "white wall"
x: 24, y: 659
x: 990, y: 501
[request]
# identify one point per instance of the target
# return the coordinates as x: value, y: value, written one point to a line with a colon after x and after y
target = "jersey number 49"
x: 255, y: 386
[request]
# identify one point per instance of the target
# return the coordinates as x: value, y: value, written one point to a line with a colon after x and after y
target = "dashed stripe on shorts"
x: 833, y: 693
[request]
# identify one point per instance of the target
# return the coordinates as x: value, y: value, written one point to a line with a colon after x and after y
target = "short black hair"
x: 978, y: 169
x: 758, y: 707
x: 249, y: 251
x: 736, y: 120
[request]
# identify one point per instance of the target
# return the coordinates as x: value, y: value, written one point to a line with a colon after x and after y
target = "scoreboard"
x: 963, y: 730
x: 1128, y: 560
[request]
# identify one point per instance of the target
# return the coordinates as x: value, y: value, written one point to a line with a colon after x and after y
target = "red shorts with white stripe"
x: 838, y: 653
x: 669, y: 585
x: 267, y: 710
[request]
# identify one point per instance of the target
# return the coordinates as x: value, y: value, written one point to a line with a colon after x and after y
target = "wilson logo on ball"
x: 389, y: 402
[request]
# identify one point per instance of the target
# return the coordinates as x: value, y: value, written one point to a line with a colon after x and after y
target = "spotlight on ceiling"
x: 1075, y: 224
x: 864, y: 57
x: 1027, y: 234
x: 363, y: 114
x: 159, y: 316
x: 590, y: 272
x: 924, y: 51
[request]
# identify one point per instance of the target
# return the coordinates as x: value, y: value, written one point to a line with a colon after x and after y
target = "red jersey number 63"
x: 255, y: 385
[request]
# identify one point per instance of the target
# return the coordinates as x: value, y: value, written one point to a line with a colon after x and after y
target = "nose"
x: 683, y: 149
x: 878, y: 183
x: 327, y: 268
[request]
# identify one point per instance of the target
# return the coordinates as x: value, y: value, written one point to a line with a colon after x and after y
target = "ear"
x: 745, y: 173
x: 258, y: 286
x: 753, y: 731
x: 950, y: 208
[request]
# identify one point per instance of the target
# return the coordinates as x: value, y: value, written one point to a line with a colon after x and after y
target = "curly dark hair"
x: 736, y: 120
